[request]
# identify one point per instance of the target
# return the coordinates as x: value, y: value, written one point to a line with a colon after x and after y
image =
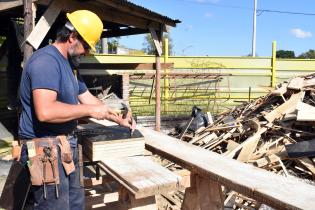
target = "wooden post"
x: 157, y: 39
x: 28, y: 27
x: 158, y: 93
x: 166, y: 80
x: 129, y: 202
x: 273, y: 64
x: 203, y: 194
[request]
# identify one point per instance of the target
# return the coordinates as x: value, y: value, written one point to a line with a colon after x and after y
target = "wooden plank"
x: 250, y: 141
x: 280, y: 91
x: 156, y: 41
x: 45, y: 22
x: 141, y: 176
x: 248, y: 148
x: 124, y: 66
x: 266, y: 160
x: 296, y: 83
x: 286, y: 107
x: 308, y: 164
x: 263, y: 186
x: 231, y: 145
x: 305, y: 112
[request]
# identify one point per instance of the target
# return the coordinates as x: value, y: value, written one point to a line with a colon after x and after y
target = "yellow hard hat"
x: 88, y: 25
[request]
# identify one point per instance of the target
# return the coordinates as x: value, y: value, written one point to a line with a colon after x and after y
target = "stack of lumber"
x: 275, y: 132
x: 100, y: 142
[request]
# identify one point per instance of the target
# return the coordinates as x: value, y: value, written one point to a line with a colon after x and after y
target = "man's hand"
x: 101, y: 112
x: 128, y: 122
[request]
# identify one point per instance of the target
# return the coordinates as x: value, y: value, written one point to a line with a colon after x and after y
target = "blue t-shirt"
x: 47, y: 69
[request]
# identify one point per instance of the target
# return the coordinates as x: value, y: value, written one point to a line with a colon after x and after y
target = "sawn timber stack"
x: 100, y: 142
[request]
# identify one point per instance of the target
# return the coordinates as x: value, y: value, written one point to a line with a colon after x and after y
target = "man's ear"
x: 72, y: 37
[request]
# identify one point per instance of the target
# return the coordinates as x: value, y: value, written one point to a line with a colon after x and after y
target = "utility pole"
x: 254, y: 30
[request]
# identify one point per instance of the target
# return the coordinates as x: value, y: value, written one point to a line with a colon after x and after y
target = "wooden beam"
x: 125, y: 66
x: 156, y: 41
x: 45, y: 22
x: 123, y: 32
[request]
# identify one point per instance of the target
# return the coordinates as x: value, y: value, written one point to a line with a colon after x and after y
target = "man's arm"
x: 48, y: 109
x: 88, y: 98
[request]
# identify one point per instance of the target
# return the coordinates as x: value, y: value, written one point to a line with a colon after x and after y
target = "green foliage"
x: 149, y: 47
x: 285, y: 54
x: 308, y: 55
x: 113, y: 43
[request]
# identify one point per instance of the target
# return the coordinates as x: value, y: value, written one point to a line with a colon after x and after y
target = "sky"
x: 225, y: 27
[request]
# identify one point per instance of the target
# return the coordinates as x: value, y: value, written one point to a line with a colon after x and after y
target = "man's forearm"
x: 58, y: 112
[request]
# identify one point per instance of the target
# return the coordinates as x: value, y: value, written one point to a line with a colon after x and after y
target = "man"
x: 53, y: 98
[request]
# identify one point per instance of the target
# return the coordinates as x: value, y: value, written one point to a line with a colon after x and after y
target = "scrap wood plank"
x: 309, y: 82
x: 141, y: 176
x: 286, y: 107
x: 296, y: 83
x: 247, y: 144
x: 45, y: 22
x: 305, y: 112
x: 266, y: 160
x: 308, y: 164
x: 280, y: 91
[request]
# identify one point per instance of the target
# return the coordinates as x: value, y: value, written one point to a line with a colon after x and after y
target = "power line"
x: 247, y: 8
x: 285, y: 12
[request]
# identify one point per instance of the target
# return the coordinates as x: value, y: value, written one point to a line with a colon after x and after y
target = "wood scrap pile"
x: 275, y: 132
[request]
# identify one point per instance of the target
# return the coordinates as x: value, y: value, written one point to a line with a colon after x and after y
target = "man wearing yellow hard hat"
x: 53, y: 98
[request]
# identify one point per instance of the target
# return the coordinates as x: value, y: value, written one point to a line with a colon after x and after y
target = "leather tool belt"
x: 43, y: 159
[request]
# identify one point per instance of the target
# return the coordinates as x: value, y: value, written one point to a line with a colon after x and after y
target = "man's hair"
x: 63, y: 34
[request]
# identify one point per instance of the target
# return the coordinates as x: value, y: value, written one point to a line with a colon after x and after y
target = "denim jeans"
x: 71, y: 194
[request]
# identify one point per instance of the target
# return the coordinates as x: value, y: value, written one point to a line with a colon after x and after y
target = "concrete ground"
x: 5, y: 167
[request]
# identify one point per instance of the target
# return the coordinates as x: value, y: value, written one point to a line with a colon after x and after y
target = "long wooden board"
x: 141, y: 176
x: 274, y: 190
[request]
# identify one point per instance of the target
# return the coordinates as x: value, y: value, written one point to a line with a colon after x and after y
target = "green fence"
x: 250, y: 78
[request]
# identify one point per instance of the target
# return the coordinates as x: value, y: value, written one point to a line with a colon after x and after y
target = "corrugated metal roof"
x: 147, y: 11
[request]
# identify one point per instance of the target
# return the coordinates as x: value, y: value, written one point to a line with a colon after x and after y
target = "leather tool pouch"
x: 66, y: 155
x: 43, y: 168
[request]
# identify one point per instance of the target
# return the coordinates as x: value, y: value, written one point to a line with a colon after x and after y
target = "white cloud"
x: 208, y: 15
x: 299, y: 33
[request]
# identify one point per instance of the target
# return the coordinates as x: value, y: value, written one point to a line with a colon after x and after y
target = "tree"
x: 113, y: 43
x: 285, y: 54
x: 308, y: 55
x: 149, y: 47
